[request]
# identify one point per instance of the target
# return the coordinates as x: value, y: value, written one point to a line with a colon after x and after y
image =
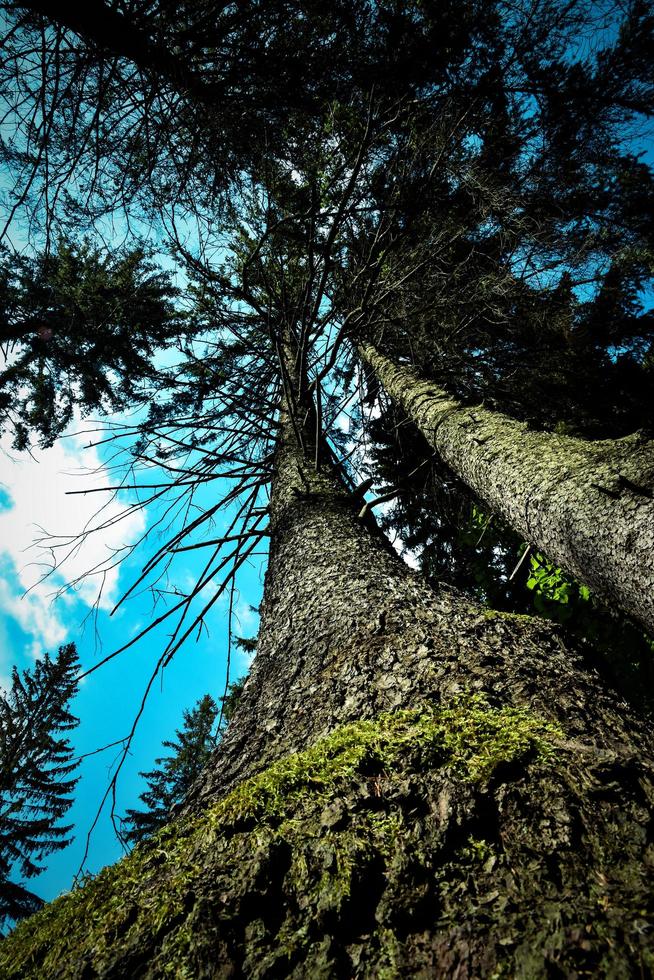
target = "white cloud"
x: 5, y: 660
x: 35, y: 614
x: 35, y: 489
x: 246, y: 617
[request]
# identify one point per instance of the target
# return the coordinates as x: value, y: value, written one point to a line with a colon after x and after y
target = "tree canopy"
x: 463, y: 178
x: 79, y: 328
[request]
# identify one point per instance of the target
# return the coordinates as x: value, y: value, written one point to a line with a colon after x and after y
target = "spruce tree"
x: 411, y: 784
x: 79, y: 327
x: 36, y: 781
x: 176, y: 772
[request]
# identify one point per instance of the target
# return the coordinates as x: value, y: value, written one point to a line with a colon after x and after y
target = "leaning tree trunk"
x: 411, y: 786
x: 588, y: 505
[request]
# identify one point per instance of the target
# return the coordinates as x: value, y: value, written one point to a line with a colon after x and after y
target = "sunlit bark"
x: 588, y: 505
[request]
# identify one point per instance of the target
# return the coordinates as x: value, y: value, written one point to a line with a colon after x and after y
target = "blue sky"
x: 33, y: 497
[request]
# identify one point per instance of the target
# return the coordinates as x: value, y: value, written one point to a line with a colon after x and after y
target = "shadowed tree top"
x: 499, y: 206
x: 79, y: 328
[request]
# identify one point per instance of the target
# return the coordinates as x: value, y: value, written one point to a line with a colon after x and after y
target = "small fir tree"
x: 234, y: 690
x: 36, y: 766
x: 176, y: 772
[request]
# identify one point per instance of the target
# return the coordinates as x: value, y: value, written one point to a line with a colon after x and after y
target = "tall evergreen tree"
x: 36, y: 767
x: 176, y: 773
x: 411, y: 785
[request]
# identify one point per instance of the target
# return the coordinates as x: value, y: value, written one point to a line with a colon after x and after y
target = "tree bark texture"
x: 588, y: 505
x: 411, y: 786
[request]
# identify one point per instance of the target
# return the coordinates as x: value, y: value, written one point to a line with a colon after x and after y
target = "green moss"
x: 478, y: 851
x: 147, y: 899
x: 469, y: 736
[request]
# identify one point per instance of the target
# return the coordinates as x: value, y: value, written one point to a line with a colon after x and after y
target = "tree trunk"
x: 588, y: 505
x: 411, y: 786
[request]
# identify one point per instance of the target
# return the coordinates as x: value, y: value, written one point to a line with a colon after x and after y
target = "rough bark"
x: 588, y: 505
x: 411, y: 786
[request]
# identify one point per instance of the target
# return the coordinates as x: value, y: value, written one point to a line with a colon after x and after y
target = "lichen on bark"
x: 356, y: 857
x: 588, y: 505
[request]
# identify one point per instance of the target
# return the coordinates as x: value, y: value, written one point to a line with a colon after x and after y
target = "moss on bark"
x: 358, y: 819
x: 588, y: 505
x: 395, y: 846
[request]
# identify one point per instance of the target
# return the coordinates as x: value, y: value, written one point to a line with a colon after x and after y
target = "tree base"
x: 463, y: 841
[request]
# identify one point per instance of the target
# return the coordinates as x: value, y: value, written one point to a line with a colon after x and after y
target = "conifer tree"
x: 410, y: 785
x: 175, y: 772
x: 36, y: 767
x: 78, y: 330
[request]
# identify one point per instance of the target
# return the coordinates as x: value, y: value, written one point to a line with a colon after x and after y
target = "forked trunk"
x: 588, y: 505
x: 411, y: 786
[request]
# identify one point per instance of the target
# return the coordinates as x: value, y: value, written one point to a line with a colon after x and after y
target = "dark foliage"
x: 526, y: 204
x: 36, y: 782
x: 79, y: 329
x: 175, y: 772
